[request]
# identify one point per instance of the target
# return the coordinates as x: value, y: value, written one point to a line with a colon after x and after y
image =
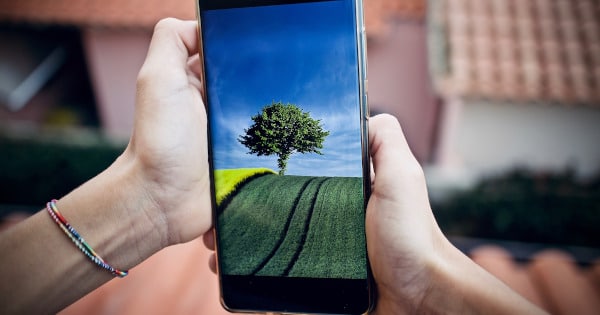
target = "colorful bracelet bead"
x: 79, y: 242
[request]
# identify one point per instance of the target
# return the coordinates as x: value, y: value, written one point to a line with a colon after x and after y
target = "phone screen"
x: 287, y: 129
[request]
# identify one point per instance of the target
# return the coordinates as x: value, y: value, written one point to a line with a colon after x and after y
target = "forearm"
x: 448, y: 282
x: 156, y: 194
x: 42, y: 271
x: 459, y: 286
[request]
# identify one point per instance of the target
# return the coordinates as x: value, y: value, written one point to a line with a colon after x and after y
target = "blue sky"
x: 301, y: 54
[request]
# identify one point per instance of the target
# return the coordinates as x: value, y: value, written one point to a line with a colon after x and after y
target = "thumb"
x: 394, y: 163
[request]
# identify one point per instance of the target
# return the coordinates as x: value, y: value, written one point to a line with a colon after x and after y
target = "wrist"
x: 116, y: 215
x: 440, y: 285
x: 110, y: 211
x: 175, y: 189
x: 457, y: 285
x: 416, y: 279
x: 447, y: 291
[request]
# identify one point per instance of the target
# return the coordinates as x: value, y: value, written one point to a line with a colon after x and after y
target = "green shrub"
x: 526, y: 206
x: 33, y: 171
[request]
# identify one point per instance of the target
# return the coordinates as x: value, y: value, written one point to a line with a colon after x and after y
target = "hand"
x: 169, y: 141
x: 416, y: 269
x: 401, y: 231
x: 154, y: 195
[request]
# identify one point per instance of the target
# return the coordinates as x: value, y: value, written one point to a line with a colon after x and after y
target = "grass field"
x: 298, y: 226
x: 227, y: 181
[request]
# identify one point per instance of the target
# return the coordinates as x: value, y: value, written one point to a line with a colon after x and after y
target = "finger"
x: 372, y: 171
x: 165, y: 70
x: 212, y: 263
x: 173, y: 42
x: 387, y: 143
x: 393, y: 162
x: 194, y: 65
x: 209, y: 239
x: 194, y: 68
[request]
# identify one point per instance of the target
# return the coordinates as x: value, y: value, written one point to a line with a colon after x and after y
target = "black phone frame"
x: 288, y: 295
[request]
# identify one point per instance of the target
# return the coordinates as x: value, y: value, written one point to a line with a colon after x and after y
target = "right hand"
x: 402, y: 234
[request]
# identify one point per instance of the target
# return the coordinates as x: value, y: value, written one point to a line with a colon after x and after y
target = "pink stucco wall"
x: 398, y: 79
x: 114, y: 58
x: 399, y: 83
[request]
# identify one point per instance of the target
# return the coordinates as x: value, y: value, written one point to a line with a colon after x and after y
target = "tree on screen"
x: 282, y: 130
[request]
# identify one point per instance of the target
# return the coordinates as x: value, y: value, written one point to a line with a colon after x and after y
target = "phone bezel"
x: 280, y: 294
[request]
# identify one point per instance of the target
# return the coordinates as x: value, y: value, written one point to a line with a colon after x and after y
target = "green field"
x: 298, y: 226
x: 227, y: 181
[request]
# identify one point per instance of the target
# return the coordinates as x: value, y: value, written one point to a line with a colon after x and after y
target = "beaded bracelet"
x: 83, y: 246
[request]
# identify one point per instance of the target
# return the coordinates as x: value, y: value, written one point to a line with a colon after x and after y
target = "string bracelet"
x: 79, y: 242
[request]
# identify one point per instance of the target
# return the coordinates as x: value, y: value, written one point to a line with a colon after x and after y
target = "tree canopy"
x: 283, y: 129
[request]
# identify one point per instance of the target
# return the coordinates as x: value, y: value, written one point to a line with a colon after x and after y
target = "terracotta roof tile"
x: 379, y: 12
x: 189, y: 287
x: 520, y: 50
x: 500, y: 263
x: 550, y: 278
x: 567, y: 288
x: 107, y: 13
x: 594, y: 276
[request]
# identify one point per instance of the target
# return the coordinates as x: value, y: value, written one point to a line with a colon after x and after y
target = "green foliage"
x: 283, y: 130
x: 297, y: 226
x: 528, y: 207
x: 33, y: 171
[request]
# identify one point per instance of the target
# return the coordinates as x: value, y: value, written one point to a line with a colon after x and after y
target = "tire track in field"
x: 305, y: 231
x: 285, y: 229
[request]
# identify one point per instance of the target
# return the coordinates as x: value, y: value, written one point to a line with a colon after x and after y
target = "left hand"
x: 169, y: 140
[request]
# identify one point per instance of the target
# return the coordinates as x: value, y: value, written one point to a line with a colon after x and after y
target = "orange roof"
x: 145, y: 13
x: 545, y: 50
x: 550, y: 278
x: 98, y: 13
x: 379, y: 12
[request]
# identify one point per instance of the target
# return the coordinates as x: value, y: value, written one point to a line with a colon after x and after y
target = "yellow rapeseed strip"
x: 228, y: 180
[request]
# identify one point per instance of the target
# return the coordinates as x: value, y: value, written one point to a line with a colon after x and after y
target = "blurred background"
x: 499, y: 100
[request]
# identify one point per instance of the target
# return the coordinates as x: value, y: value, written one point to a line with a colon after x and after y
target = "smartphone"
x: 284, y: 84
